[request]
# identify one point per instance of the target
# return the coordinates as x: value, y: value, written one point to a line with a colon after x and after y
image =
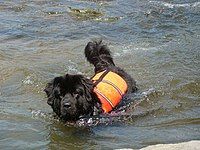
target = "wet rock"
x: 191, y: 145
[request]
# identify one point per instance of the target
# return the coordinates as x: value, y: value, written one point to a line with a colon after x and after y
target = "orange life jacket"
x: 110, y: 88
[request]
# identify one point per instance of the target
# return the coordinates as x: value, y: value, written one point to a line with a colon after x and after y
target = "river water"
x: 156, y: 41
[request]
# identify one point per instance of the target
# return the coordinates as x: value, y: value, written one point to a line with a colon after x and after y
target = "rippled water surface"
x: 156, y: 41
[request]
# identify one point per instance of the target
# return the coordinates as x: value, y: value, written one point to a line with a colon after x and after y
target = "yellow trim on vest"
x: 110, y: 90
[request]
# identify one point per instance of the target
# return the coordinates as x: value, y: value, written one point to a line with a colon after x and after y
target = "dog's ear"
x: 48, y: 89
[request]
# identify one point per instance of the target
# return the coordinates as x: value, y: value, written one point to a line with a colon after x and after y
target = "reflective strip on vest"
x: 110, y: 90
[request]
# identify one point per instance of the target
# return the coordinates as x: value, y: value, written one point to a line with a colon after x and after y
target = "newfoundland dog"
x: 74, y: 96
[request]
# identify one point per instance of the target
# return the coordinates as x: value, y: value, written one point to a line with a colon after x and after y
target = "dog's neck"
x: 99, y: 67
x: 103, y: 64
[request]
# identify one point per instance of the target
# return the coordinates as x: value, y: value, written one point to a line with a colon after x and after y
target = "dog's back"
x: 99, y: 55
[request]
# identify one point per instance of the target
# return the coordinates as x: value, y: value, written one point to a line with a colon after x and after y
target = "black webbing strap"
x: 101, y: 77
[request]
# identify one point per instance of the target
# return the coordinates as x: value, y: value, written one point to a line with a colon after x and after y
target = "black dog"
x: 74, y: 96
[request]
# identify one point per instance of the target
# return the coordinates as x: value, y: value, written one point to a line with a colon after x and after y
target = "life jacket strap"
x: 101, y: 77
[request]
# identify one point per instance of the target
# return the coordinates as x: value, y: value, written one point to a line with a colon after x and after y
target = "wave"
x: 170, y: 5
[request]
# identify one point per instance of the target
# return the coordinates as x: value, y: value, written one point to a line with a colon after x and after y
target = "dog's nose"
x: 67, y: 104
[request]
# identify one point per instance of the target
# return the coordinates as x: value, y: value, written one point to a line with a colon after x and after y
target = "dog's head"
x: 70, y: 96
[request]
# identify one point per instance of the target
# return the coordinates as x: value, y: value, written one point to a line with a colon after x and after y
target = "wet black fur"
x: 72, y: 96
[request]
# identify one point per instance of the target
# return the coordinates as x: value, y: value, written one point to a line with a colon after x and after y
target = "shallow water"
x: 156, y: 42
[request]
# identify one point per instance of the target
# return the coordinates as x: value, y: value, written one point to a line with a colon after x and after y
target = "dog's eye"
x: 76, y: 96
x: 79, y: 91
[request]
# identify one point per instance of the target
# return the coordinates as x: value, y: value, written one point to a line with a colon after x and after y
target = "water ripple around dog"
x: 118, y: 116
x: 121, y: 115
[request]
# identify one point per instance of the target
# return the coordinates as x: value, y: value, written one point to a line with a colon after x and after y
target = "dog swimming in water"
x: 74, y: 96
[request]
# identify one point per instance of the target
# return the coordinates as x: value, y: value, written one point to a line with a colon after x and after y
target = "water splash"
x: 120, y: 115
x: 28, y: 80
x: 39, y: 114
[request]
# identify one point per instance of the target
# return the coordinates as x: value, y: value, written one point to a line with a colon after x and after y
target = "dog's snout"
x: 67, y: 104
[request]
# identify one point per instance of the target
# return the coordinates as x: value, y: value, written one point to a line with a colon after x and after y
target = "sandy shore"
x: 191, y: 145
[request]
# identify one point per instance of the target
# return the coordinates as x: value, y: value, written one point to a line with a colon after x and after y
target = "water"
x: 155, y: 41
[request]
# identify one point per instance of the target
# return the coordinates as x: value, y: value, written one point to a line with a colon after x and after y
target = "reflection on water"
x: 157, y: 42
